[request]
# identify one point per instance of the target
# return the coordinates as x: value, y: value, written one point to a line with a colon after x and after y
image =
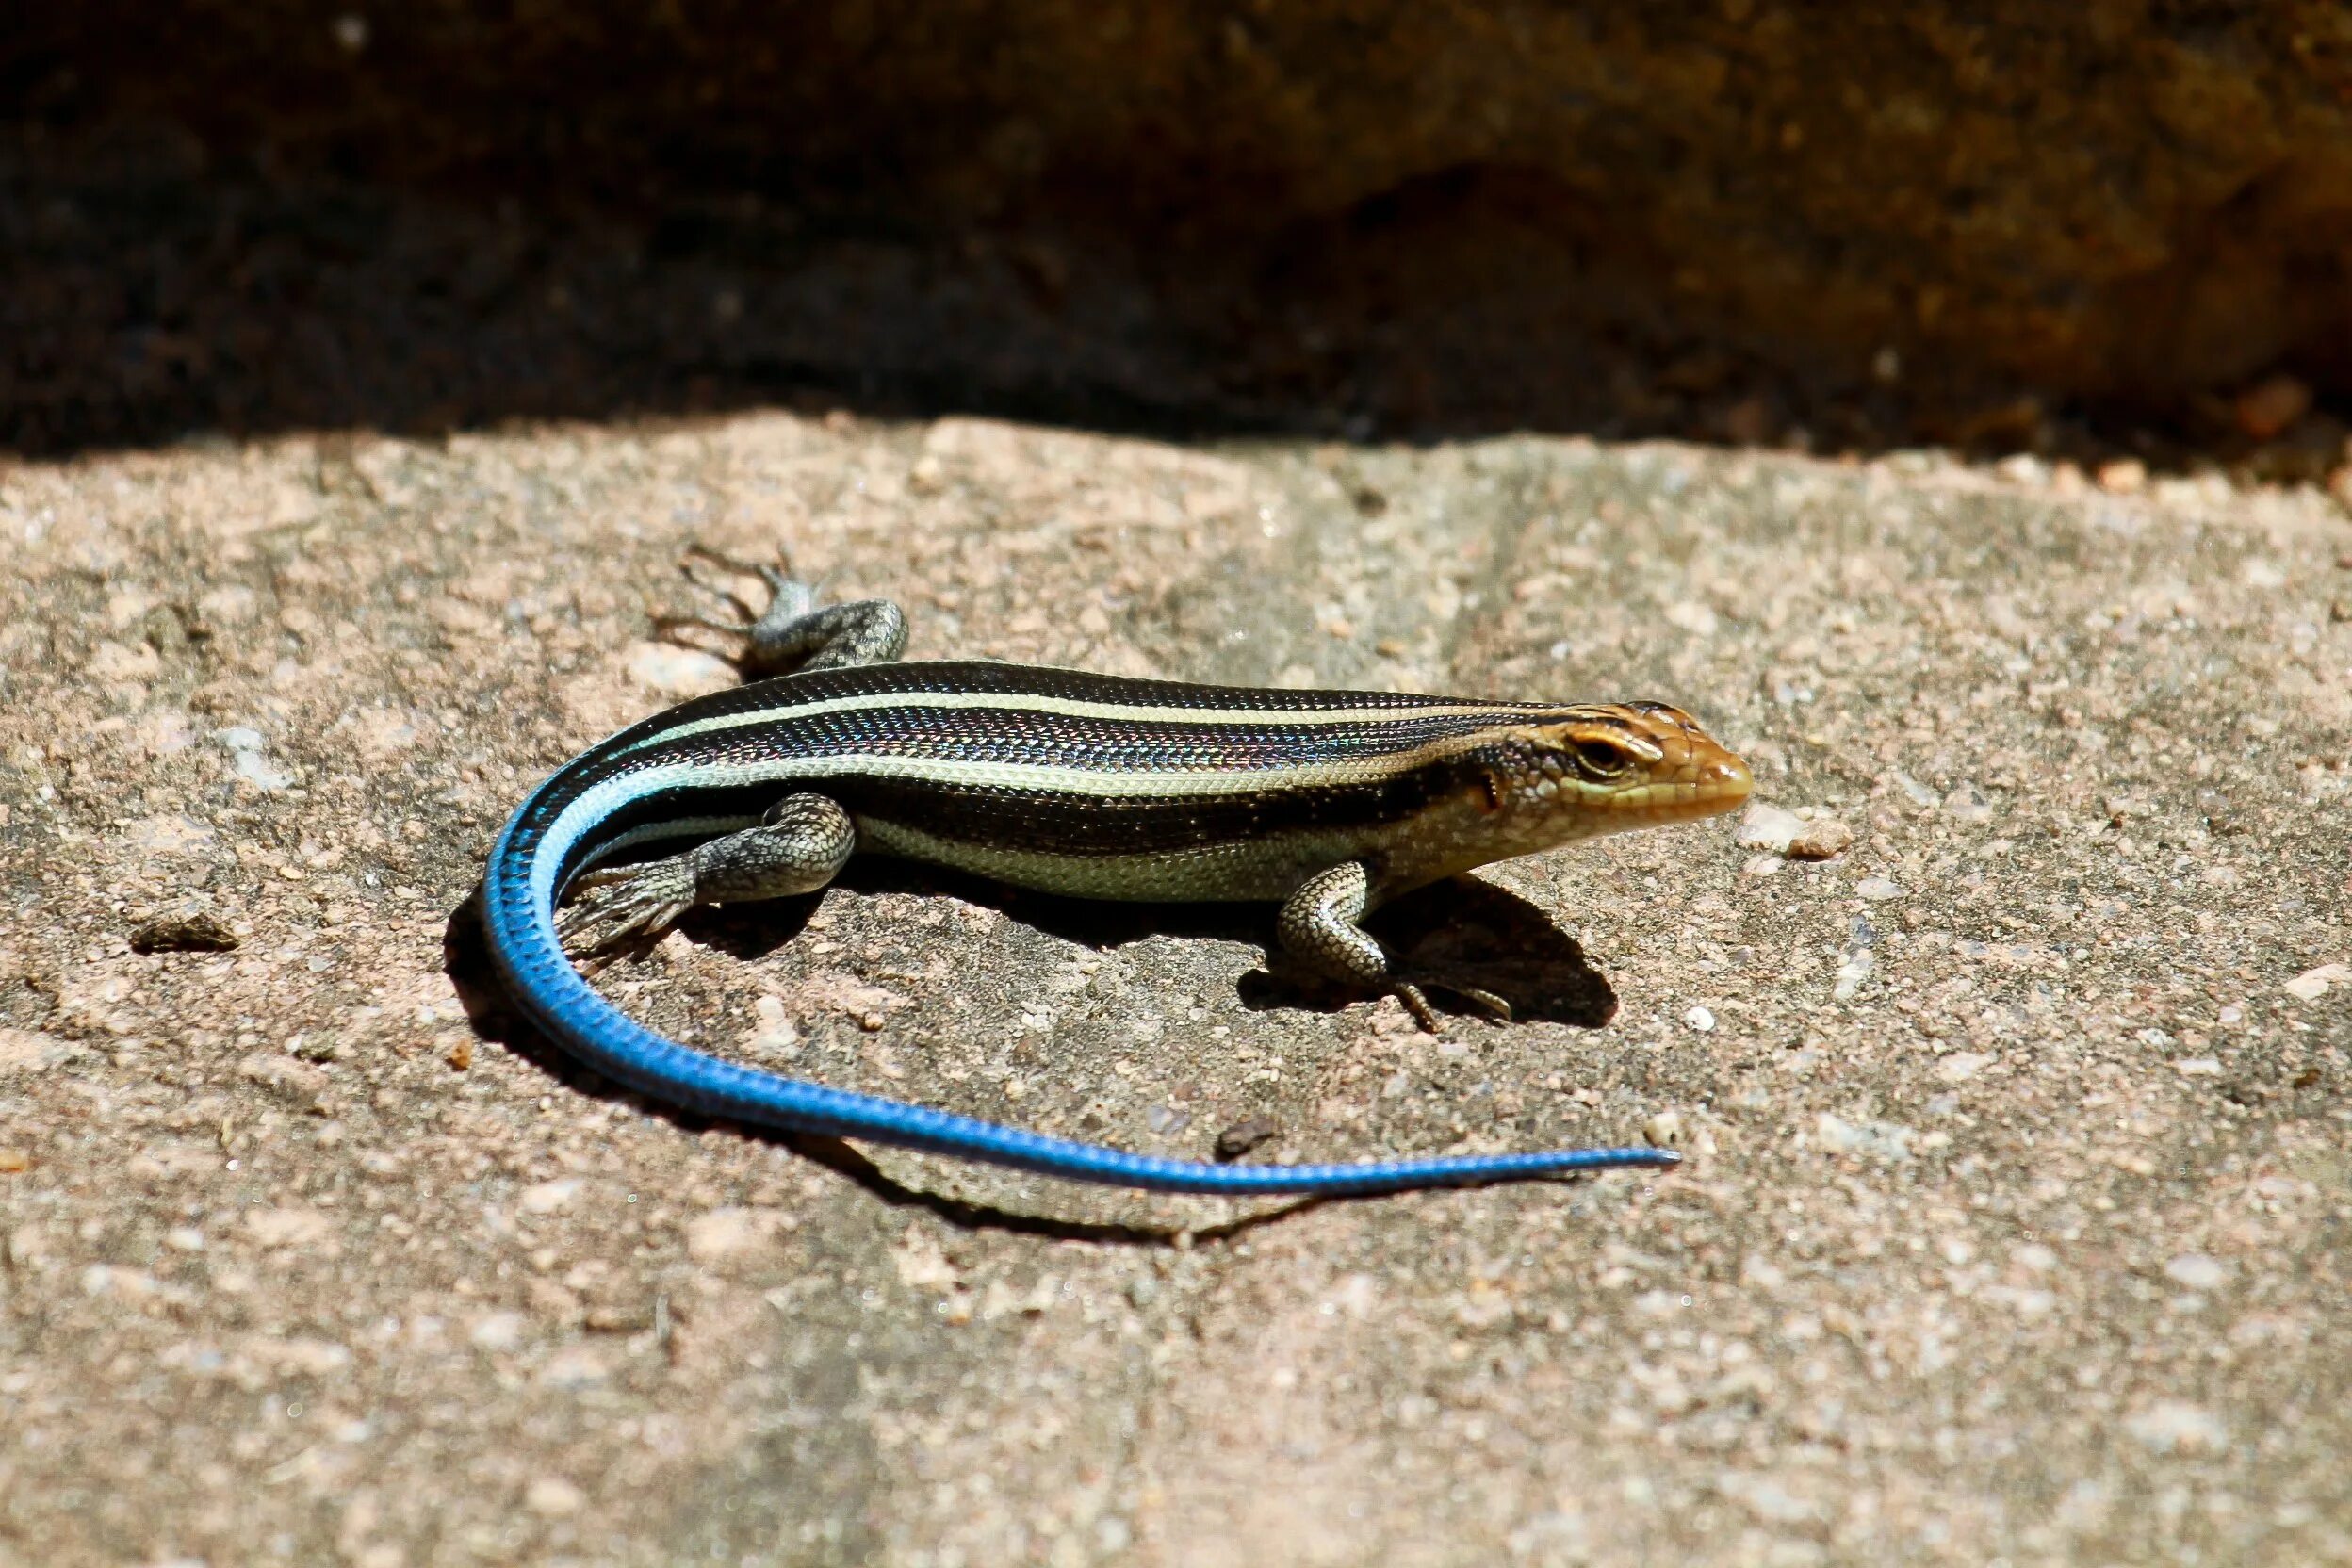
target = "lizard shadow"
x: 1465, y: 933
x: 491, y: 1012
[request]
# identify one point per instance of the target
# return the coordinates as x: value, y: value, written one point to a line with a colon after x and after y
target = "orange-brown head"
x: 1615, y: 767
x: 1542, y: 778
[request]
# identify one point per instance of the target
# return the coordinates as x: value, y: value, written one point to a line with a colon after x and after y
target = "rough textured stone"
x: 1852, y: 217
x: 1918, y: 1297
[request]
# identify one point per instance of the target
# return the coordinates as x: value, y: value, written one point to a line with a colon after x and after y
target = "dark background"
x: 2082, y: 228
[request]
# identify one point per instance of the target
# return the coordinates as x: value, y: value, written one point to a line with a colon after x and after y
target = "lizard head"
x: 1609, y: 767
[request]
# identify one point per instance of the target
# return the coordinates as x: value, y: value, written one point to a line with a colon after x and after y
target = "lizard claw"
x: 1497, y: 1009
x: 789, y: 596
x: 644, y: 901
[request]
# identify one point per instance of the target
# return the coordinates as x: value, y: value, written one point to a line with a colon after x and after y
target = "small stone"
x: 2198, y: 1067
x: 2175, y: 1426
x: 1961, y: 1065
x: 1770, y: 828
x: 1966, y: 803
x: 726, y: 1234
x: 2312, y: 984
x: 1854, y: 966
x: 15, y: 1161
x: 2270, y: 407
x: 183, y: 930
x: 1822, y: 839
x: 498, y: 1330
x: 2197, y: 1271
x: 297, y: 1083
x: 1884, y: 1141
x: 552, y: 1497
x: 1878, y: 890
x: 1699, y: 1019
x: 288, y: 1227
x: 1667, y: 1129
x: 1242, y: 1137
x: 461, y: 1053
x: 2124, y: 476
x: 547, y: 1196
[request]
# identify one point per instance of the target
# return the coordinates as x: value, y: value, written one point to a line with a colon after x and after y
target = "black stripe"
x: 1043, y: 821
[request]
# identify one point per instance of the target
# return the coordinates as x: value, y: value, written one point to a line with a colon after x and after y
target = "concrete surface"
x: 2017, y: 1220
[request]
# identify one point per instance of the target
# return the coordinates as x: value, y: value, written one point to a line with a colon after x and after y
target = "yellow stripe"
x: 1271, y: 719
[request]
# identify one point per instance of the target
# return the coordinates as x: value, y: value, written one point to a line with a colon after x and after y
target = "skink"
x: 1328, y: 803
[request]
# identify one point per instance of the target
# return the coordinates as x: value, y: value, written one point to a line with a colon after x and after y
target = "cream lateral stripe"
x: 602, y: 799
x: 1262, y: 718
x: 1043, y: 777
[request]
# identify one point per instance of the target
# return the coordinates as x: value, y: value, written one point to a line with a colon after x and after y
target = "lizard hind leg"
x: 795, y: 631
x: 799, y: 846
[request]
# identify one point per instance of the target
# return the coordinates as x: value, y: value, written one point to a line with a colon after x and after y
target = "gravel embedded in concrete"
x: 2016, y: 1220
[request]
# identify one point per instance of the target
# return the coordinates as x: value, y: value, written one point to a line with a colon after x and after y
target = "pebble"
x: 2312, y: 984
x: 246, y: 759
x: 498, y: 1330
x: 2175, y: 1426
x: 553, y: 1497
x: 547, y: 1196
x: 1769, y: 827
x: 1877, y: 890
x: 1822, y: 839
x: 1884, y: 1141
x: 184, y: 930
x: 1242, y: 1137
x: 1699, y: 1019
x: 288, y: 1227
x: 1966, y: 803
x: 2124, y: 476
x: 1667, y: 1129
x: 728, y: 1232
x: 2197, y: 1271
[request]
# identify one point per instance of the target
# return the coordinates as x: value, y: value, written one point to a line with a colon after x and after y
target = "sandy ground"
x: 2018, y: 1220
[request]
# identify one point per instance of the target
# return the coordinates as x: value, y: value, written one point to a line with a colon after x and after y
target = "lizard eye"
x: 1602, y: 758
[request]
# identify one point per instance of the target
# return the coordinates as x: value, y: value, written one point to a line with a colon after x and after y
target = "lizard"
x: 1325, y: 803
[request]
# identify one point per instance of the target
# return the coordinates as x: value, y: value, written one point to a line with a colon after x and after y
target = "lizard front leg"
x: 799, y: 846
x: 1317, y: 926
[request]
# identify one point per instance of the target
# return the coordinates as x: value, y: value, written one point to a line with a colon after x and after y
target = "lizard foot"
x: 630, y: 901
x: 789, y: 597
x: 1417, y: 1001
